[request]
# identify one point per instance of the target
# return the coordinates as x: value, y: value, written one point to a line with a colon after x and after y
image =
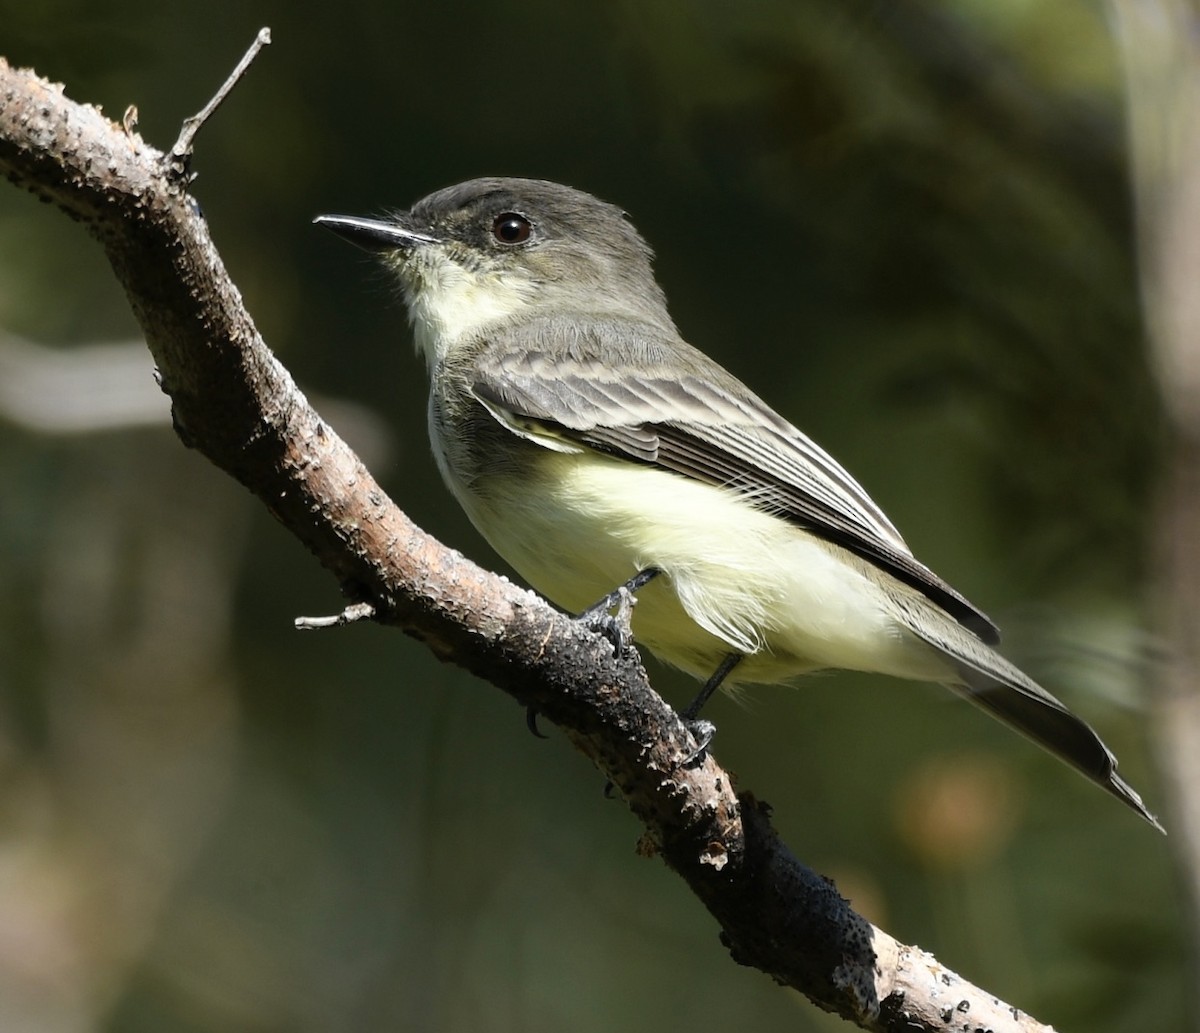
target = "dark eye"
x: 511, y: 228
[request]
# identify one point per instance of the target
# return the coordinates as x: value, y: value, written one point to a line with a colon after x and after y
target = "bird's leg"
x: 703, y: 731
x: 615, y: 628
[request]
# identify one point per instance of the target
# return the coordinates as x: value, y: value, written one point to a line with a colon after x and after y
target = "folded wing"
x: 617, y: 388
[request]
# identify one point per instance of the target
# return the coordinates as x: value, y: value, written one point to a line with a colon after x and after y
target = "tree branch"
x: 1161, y: 61
x: 234, y: 402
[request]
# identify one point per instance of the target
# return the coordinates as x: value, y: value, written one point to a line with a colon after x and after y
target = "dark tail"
x: 991, y: 682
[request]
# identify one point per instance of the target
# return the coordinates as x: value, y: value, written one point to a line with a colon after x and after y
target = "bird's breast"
x: 735, y: 579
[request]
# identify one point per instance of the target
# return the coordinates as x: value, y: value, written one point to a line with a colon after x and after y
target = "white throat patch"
x: 447, y: 300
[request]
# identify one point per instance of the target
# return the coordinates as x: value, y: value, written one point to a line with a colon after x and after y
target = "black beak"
x: 374, y: 234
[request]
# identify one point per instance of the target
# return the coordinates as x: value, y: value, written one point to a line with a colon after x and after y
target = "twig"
x: 181, y: 153
x: 351, y: 614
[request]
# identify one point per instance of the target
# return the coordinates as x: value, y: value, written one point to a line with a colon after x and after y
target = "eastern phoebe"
x: 592, y: 446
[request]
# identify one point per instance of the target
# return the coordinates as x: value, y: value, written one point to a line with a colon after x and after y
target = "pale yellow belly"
x: 735, y: 579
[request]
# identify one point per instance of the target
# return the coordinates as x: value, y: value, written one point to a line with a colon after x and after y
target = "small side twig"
x: 180, y: 155
x: 350, y: 615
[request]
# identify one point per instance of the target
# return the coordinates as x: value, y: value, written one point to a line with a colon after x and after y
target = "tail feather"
x: 991, y: 682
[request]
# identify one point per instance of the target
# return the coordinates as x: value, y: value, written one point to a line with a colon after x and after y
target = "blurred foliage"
x: 906, y: 224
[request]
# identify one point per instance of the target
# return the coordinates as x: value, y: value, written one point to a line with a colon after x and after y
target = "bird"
x: 595, y: 450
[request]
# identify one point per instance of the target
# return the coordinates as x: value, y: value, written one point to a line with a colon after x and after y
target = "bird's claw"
x: 531, y: 716
x: 703, y: 732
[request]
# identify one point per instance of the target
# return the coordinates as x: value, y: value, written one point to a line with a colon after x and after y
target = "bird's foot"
x: 616, y: 626
x: 703, y: 732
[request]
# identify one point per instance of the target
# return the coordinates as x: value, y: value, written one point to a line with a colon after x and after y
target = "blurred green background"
x: 907, y: 224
